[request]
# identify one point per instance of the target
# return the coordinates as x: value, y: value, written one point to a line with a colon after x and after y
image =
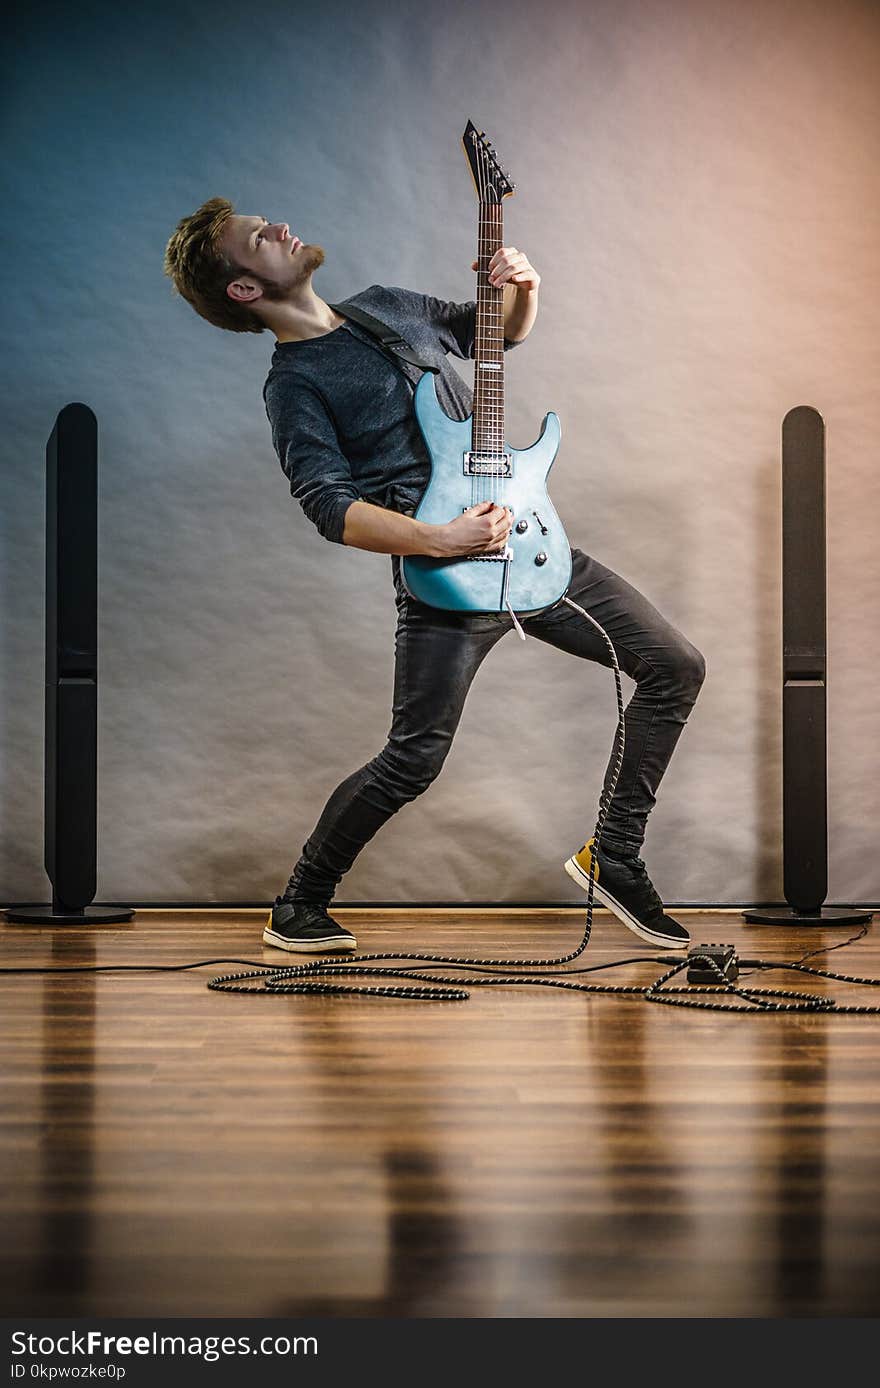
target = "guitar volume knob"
x: 521, y: 527
x: 540, y: 559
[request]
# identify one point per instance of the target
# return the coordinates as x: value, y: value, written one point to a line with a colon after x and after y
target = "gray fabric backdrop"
x: 698, y: 186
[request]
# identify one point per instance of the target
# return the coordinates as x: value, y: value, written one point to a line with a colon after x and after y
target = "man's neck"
x: 298, y: 321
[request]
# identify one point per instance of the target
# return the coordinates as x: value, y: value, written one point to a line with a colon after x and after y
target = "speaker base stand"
x: 89, y: 915
x: 826, y: 915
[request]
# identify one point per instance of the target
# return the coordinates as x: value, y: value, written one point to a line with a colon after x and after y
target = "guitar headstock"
x: 491, y: 181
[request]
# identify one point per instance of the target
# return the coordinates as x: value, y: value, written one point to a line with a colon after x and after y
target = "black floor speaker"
x: 71, y: 750
x: 804, y: 682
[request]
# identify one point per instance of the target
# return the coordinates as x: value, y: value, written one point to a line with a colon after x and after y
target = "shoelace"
x: 311, y: 913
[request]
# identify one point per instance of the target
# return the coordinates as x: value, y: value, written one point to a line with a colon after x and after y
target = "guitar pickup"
x: 505, y: 556
x: 488, y: 465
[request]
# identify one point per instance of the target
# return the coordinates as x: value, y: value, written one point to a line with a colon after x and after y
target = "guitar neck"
x: 488, y: 418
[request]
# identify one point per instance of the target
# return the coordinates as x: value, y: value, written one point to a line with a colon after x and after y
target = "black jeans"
x: 437, y: 656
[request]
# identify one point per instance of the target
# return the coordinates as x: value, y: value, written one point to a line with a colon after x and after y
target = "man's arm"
x: 478, y: 530
x: 520, y: 312
x: 481, y: 528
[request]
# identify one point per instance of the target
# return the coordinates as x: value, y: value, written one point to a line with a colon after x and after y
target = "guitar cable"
x: 316, y: 975
x: 310, y: 977
x: 313, y: 977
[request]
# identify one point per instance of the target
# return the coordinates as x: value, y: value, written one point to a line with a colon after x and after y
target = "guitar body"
x: 534, y: 570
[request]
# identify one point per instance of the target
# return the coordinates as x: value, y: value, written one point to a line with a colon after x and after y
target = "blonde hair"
x: 200, y: 270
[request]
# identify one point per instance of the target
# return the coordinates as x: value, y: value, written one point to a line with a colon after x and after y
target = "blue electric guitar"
x: 470, y: 461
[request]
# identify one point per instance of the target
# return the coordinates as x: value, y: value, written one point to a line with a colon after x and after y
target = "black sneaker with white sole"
x: 623, y: 885
x: 304, y: 927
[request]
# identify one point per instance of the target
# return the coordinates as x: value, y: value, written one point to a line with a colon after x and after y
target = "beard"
x: 308, y: 259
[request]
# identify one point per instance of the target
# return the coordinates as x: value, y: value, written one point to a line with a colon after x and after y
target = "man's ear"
x: 243, y: 291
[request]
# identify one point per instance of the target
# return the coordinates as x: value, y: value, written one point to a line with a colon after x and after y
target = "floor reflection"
x: 62, y: 1269
x: 422, y: 1237
x: 516, y: 1156
x: 801, y: 1167
x: 539, y: 1226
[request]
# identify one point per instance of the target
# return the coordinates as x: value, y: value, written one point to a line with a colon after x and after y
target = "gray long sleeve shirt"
x: 341, y: 412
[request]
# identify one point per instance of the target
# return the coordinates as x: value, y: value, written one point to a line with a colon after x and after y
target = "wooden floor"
x: 167, y: 1150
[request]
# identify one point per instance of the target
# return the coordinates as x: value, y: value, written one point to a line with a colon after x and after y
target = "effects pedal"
x: 701, y: 971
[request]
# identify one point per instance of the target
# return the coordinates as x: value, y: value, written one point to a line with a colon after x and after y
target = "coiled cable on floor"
x: 330, y: 976
x: 760, y: 999
x: 311, y: 977
x: 755, y: 1000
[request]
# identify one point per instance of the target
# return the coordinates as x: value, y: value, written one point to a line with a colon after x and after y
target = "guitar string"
x: 481, y: 298
x: 489, y: 423
x: 476, y: 480
x: 488, y: 387
x: 488, y: 484
x: 479, y: 175
x: 490, y: 401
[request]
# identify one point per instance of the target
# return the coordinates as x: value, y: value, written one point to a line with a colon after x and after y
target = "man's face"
x: 281, y: 262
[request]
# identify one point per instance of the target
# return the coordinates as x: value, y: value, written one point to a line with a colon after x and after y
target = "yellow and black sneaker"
x: 623, y: 885
x: 304, y: 927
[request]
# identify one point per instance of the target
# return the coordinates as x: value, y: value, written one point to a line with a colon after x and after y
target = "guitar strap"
x: 395, y: 345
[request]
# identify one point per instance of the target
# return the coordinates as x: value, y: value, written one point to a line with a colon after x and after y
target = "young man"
x: 343, y: 426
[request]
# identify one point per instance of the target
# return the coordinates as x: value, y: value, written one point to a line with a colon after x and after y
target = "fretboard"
x: 488, y: 421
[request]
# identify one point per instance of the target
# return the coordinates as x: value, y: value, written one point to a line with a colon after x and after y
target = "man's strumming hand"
x: 478, y: 530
